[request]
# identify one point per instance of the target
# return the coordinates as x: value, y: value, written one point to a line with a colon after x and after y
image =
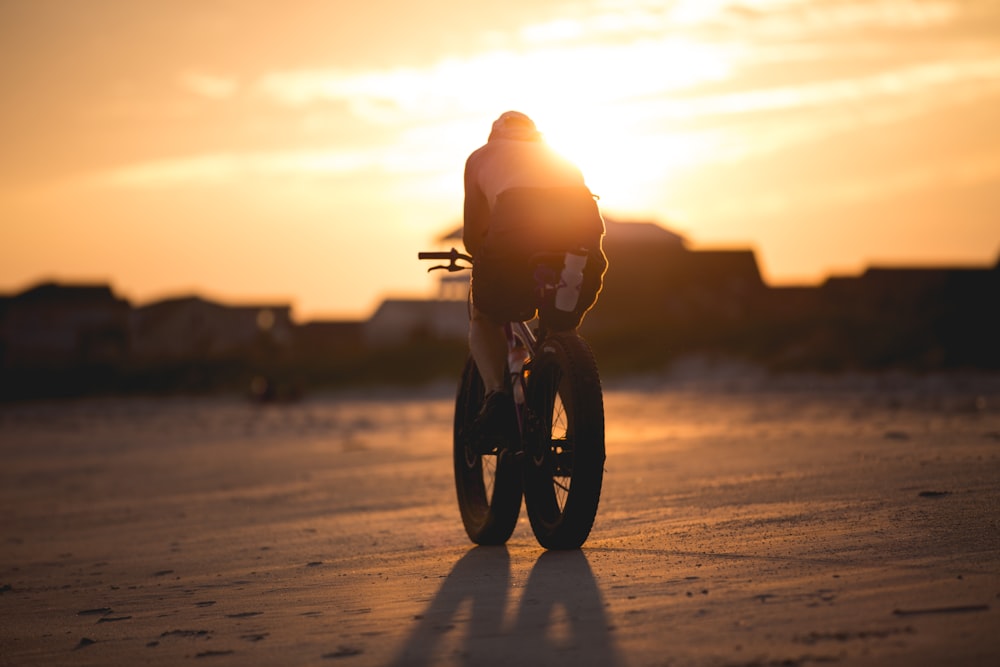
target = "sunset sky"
x: 303, y: 151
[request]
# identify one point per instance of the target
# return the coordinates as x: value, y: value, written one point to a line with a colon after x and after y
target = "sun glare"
x: 625, y: 158
x: 423, y: 121
x: 605, y: 130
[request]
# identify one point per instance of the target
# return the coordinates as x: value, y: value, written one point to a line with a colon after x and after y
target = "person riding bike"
x: 522, y: 199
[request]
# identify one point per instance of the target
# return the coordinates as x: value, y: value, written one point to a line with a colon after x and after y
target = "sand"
x: 746, y: 520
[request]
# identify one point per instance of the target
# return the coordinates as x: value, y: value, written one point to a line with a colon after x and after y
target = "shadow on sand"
x: 560, y: 616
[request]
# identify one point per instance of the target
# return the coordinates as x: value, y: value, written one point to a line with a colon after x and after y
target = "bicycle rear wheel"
x: 564, y: 467
x: 488, y: 485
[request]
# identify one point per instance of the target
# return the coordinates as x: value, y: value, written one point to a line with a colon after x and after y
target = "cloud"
x: 912, y: 80
x: 677, y: 130
x: 229, y: 167
x: 581, y: 77
x: 584, y: 74
x: 825, y: 15
x: 792, y: 18
x: 623, y: 51
x: 223, y: 168
x: 208, y: 85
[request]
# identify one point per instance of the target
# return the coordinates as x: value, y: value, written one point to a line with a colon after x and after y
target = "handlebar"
x: 453, y: 256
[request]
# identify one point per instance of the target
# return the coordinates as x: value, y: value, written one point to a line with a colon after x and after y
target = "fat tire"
x: 489, y: 518
x: 565, y: 442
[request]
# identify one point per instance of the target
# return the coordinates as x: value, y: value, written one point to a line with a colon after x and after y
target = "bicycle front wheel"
x: 564, y: 467
x: 488, y: 485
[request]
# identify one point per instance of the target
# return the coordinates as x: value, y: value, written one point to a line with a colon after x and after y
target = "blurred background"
x: 273, y: 168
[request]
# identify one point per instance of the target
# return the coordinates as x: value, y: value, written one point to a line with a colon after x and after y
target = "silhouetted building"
x: 933, y: 317
x: 191, y: 328
x: 325, y: 340
x: 661, y: 300
x: 659, y: 288
x: 405, y: 320
x: 53, y: 326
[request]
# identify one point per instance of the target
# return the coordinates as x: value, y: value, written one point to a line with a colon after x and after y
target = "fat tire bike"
x: 555, y: 458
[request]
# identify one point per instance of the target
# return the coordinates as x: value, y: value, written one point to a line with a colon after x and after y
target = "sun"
x: 624, y: 162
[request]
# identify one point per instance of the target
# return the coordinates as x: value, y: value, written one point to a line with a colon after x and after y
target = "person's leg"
x: 495, y: 427
x: 488, y: 344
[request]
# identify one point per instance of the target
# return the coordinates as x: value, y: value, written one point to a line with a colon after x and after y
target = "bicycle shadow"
x: 560, y: 617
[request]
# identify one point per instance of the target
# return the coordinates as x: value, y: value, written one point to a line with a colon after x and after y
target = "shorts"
x: 524, y: 223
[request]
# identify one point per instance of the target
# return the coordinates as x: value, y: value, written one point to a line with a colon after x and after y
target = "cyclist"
x: 521, y: 199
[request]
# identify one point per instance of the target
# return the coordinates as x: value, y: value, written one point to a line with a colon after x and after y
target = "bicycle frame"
x: 516, y: 333
x: 517, y: 356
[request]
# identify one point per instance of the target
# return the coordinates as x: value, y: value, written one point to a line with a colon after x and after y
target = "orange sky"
x: 303, y: 151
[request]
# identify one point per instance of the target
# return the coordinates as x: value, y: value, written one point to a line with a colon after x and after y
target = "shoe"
x: 495, y: 426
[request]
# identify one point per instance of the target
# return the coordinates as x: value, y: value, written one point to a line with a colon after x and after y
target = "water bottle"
x: 568, y: 293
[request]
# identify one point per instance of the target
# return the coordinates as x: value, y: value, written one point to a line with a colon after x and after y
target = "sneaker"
x: 495, y: 425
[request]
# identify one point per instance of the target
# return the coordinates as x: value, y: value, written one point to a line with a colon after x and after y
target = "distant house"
x: 655, y: 280
x: 643, y: 233
x: 946, y: 314
x: 401, y: 320
x: 445, y: 317
x: 191, y: 328
x: 640, y: 254
x: 53, y: 325
x: 323, y: 340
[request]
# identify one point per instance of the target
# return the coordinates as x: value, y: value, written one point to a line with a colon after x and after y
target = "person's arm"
x: 476, y: 217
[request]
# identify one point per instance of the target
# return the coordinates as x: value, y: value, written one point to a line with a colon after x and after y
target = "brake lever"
x: 450, y: 268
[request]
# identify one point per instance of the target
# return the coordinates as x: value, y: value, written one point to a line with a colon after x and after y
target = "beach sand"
x: 745, y: 520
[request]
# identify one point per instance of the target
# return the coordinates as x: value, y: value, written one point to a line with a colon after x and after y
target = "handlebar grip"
x: 452, y: 255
